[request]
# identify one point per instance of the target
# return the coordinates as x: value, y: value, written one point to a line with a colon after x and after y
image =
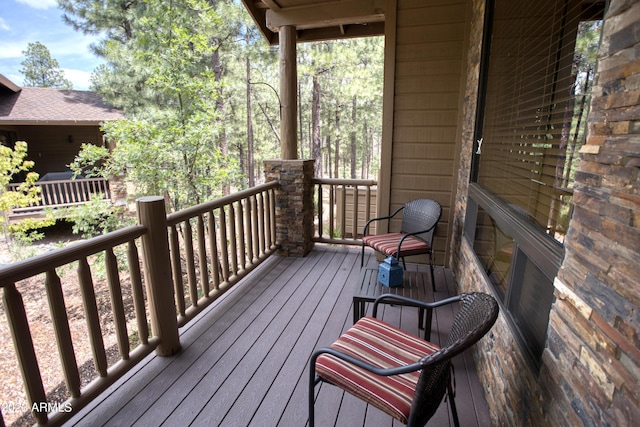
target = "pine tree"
x: 41, y: 70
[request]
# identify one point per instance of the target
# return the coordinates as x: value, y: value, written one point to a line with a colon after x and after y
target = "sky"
x: 27, y: 21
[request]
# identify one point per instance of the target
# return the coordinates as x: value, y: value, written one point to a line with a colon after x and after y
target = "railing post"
x: 157, y: 270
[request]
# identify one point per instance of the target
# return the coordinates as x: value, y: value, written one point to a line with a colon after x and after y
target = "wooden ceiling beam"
x: 333, y: 13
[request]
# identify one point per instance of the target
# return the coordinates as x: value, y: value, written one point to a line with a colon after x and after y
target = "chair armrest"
x: 414, y: 234
x: 385, y: 372
x: 366, y: 226
x: 411, y: 302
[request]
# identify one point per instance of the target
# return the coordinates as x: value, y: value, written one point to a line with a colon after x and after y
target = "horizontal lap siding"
x: 430, y: 53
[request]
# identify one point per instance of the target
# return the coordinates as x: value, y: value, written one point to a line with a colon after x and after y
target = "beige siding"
x: 430, y: 53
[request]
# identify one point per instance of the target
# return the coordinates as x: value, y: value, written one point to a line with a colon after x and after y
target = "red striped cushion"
x: 388, y: 244
x: 384, y: 346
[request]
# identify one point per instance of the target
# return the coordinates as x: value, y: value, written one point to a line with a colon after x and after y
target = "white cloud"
x: 80, y: 79
x: 39, y: 4
x: 3, y: 25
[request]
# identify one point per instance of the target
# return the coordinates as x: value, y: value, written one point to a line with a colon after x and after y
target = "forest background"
x: 199, y: 87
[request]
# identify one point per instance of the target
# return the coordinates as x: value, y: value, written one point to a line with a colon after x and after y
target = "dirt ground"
x: 15, y: 409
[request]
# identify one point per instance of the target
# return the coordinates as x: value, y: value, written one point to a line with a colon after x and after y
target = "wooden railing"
x: 343, y: 206
x: 239, y: 229
x: 232, y: 236
x: 61, y: 193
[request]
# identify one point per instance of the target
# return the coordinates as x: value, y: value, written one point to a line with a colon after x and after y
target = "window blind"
x: 535, y: 104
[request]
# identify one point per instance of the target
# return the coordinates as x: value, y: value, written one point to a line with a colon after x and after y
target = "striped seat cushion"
x: 388, y: 244
x: 384, y: 346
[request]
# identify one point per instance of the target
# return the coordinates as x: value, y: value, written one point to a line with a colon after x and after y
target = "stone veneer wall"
x: 592, y: 360
x: 294, y: 204
x: 591, y: 365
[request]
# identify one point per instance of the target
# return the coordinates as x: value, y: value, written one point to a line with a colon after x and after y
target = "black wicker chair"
x: 419, y: 220
x: 399, y: 373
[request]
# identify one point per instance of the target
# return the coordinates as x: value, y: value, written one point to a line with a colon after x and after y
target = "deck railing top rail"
x: 42, y: 263
x: 203, y: 208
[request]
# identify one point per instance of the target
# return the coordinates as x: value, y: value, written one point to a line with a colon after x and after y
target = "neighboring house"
x: 482, y: 112
x: 54, y: 123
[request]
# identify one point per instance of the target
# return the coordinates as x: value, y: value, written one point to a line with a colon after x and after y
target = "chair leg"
x: 433, y: 277
x: 312, y: 386
x: 313, y: 381
x: 454, y: 412
x: 362, y: 257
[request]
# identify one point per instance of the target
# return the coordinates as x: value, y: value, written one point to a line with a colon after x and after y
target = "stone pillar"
x: 294, y: 204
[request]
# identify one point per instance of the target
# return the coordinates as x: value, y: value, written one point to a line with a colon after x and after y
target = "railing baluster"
x: 355, y: 212
x: 93, y: 319
x: 138, y: 292
x: 343, y: 199
x: 191, y: 269
x: 367, y: 209
x: 269, y: 221
x: 176, y: 267
x: 213, y: 248
x: 224, y: 244
x: 63, y: 334
x: 332, y: 206
x: 233, y: 239
x: 250, y: 229
x: 319, y: 207
x: 202, y: 257
x: 240, y: 235
x: 23, y: 344
x: 260, y: 220
x: 274, y: 240
x: 119, y: 317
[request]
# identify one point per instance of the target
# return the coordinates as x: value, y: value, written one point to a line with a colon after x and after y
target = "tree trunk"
x: 250, y: 165
x: 315, y: 127
x: 222, y: 141
x: 336, y: 163
x: 354, y: 160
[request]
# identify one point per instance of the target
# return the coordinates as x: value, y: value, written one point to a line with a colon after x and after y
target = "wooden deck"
x: 244, y: 360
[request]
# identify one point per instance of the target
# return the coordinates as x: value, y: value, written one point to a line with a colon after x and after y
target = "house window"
x: 536, y: 76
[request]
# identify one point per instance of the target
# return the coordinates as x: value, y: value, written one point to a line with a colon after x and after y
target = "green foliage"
x: 93, y: 218
x: 41, y: 70
x: 89, y: 161
x: 13, y: 165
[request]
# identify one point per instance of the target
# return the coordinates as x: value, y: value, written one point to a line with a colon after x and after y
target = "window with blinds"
x: 536, y: 75
x: 538, y: 78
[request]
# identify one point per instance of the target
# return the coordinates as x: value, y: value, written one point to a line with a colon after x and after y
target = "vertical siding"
x: 430, y: 51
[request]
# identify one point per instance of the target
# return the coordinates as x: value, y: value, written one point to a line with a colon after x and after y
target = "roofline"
x: 9, y: 84
x: 55, y: 122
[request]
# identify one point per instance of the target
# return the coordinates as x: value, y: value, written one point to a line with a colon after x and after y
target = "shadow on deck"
x: 244, y: 360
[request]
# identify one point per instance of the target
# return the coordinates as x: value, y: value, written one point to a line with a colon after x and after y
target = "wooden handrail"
x: 350, y: 203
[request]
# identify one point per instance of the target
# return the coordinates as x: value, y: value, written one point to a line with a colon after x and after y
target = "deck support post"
x: 288, y: 93
x: 157, y: 271
x: 294, y: 204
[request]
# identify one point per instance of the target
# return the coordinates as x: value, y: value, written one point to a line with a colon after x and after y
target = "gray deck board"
x: 244, y: 360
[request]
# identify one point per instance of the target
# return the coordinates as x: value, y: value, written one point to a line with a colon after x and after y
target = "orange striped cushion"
x: 388, y: 244
x: 384, y: 346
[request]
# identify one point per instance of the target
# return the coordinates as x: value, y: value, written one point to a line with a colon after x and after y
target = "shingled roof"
x: 31, y: 105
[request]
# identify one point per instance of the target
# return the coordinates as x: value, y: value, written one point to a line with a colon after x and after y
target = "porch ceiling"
x: 317, y: 20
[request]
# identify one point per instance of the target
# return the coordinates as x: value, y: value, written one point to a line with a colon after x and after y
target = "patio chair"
x: 419, y: 220
x: 401, y: 374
